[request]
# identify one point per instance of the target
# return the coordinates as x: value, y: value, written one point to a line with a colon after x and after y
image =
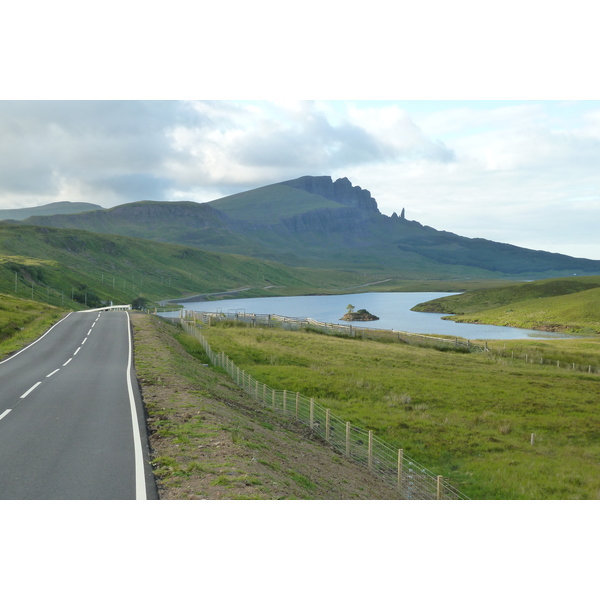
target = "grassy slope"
x: 271, y: 203
x: 468, y: 417
x: 22, y: 321
x: 567, y: 304
x: 54, y: 262
x: 209, y: 440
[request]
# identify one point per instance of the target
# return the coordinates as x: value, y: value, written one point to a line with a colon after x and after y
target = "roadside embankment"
x: 210, y: 440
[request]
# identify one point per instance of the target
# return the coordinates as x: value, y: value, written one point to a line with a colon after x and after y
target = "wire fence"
x: 409, y: 478
x: 295, y: 323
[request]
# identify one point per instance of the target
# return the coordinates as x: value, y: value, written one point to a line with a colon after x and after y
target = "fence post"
x: 256, y: 391
x: 370, y: 451
x: 347, y: 438
x: 532, y: 438
x: 400, y: 457
x: 273, y: 399
x: 439, y: 487
x: 264, y: 393
x: 297, y: 403
x: 327, y: 424
x: 312, y: 412
x: 284, y: 401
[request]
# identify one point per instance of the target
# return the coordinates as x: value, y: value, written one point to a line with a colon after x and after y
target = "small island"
x: 360, y: 315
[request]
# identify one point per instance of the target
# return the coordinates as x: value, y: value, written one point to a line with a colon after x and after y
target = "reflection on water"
x: 392, y: 308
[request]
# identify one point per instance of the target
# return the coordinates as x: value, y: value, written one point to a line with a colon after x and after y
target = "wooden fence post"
x: 273, y: 399
x: 532, y: 438
x: 312, y: 412
x: 370, y: 450
x: 347, y: 438
x: 284, y: 401
x: 439, y: 488
x: 297, y: 404
x: 400, y: 457
x: 327, y: 424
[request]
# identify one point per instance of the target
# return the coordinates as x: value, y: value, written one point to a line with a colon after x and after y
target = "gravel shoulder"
x: 209, y: 440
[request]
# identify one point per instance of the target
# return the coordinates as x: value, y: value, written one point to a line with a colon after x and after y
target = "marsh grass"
x: 468, y: 417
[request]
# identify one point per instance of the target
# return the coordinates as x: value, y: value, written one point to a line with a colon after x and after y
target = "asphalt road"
x: 72, y: 424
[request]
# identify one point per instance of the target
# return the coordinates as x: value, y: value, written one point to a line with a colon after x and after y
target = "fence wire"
x: 410, y: 479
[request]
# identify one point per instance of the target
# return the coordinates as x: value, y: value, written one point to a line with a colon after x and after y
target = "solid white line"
x: 5, y: 413
x: 76, y: 351
x: 84, y: 341
x: 30, y: 390
x: 50, y: 374
x: 140, y: 482
x: 36, y: 341
x: 67, y: 362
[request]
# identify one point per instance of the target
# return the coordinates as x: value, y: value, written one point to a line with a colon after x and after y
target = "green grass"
x: 468, y: 417
x: 566, y: 304
x: 72, y: 268
x: 22, y: 321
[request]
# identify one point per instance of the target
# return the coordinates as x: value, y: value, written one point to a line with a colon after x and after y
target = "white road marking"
x: 140, y: 482
x: 76, y: 351
x: 90, y: 331
x: 30, y: 390
x: 67, y: 362
x: 84, y: 341
x: 5, y: 413
x: 50, y: 374
x: 93, y: 323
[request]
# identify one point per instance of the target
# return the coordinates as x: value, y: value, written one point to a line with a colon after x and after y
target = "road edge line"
x: 141, y: 492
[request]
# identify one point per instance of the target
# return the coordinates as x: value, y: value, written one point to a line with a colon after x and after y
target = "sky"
x: 520, y: 172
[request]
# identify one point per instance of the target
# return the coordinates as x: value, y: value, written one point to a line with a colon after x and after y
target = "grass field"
x: 469, y: 417
x: 22, y: 321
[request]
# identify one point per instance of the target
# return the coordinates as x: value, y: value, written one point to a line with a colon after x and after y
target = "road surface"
x: 71, y: 418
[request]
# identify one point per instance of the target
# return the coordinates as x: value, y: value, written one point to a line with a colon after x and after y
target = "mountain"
x: 321, y: 223
x: 54, y: 208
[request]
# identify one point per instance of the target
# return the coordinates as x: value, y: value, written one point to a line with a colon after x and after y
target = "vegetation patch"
x: 468, y: 417
x: 209, y: 440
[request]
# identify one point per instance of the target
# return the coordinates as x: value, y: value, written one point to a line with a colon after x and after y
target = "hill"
x: 321, y: 223
x: 70, y: 268
x: 569, y: 304
x: 54, y: 208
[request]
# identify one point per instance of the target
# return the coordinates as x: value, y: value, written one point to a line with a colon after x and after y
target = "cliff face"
x: 341, y: 191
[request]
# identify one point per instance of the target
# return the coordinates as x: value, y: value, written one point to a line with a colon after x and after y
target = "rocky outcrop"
x: 359, y: 315
x: 341, y: 191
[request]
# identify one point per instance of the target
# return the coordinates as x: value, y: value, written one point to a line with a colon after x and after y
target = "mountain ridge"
x: 321, y: 223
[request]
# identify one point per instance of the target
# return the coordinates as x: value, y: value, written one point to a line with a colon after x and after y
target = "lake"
x: 392, y: 308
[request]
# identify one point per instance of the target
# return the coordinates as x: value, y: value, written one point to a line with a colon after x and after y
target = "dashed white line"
x: 67, y: 362
x: 90, y: 331
x: 5, y: 413
x: 50, y: 374
x: 93, y: 323
x: 76, y: 351
x: 30, y: 390
x: 84, y: 341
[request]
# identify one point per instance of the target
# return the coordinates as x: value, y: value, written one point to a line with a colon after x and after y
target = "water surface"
x: 392, y: 308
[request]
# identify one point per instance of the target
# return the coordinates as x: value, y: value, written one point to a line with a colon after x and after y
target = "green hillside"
x: 54, y: 208
x: 320, y: 223
x: 71, y: 268
x: 568, y: 304
x: 271, y: 203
